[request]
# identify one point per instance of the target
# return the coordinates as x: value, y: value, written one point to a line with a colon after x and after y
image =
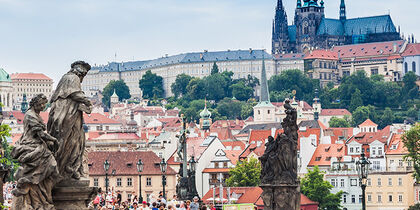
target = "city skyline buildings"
x: 47, y: 36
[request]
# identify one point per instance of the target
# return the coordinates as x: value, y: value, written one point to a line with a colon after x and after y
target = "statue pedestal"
x: 281, y: 196
x: 73, y: 194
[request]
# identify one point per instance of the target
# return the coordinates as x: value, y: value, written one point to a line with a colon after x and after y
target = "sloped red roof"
x: 412, y: 50
x: 335, y: 112
x: 222, y: 133
x: 369, y: 137
x: 97, y: 118
x: 120, y: 162
x: 19, y: 116
x: 322, y: 54
x: 368, y: 122
x: 306, y: 201
x: 308, y: 132
x: 369, y: 49
x: 216, y: 170
x: 94, y: 134
x: 233, y: 144
x: 118, y: 136
x: 233, y: 155
x: 324, y: 152
x: 232, y: 124
x: 29, y: 76
x: 335, y: 133
x: 400, y: 148
x: 288, y: 56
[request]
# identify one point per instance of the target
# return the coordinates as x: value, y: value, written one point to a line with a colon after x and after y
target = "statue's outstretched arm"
x: 81, y: 97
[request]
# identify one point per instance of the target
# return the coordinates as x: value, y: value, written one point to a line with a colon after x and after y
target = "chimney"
x: 395, y: 47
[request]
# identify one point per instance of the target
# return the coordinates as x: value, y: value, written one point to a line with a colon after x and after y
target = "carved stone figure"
x: 279, y: 166
x: 38, y: 169
x: 65, y: 122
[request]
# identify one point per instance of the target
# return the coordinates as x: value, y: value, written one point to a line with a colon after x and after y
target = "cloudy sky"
x: 46, y: 35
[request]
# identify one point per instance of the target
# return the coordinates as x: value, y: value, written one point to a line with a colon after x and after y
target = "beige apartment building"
x: 241, y: 62
x: 393, y: 188
x: 124, y: 177
x: 30, y: 84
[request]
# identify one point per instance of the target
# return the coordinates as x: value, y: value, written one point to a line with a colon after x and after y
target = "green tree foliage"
x: 276, y: 96
x: 412, y: 113
x: 196, y: 89
x: 336, y: 122
x: 294, y: 80
x: 248, y: 108
x: 351, y: 83
x: 121, y: 89
x: 217, y: 86
x: 387, y: 118
x: 179, y: 87
x: 245, y: 174
x: 230, y: 108
x: 192, y: 111
x: 242, y: 92
x: 356, y: 100
x: 415, y: 207
x: 151, y: 85
x: 410, y: 88
x: 317, y: 189
x: 214, y: 69
x: 364, y: 112
x: 412, y: 143
x: 6, y: 157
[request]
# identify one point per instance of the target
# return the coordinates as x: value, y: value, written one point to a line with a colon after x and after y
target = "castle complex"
x: 312, y: 30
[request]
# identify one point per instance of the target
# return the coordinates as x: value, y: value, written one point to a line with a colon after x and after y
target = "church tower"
x: 343, y: 11
x: 280, y: 39
x: 308, y: 17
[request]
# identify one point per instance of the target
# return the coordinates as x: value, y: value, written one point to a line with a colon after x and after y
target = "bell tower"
x: 308, y: 17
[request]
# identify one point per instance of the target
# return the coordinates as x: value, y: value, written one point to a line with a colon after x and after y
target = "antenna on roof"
x: 115, y: 57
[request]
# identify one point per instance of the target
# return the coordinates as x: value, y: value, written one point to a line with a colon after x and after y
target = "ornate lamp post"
x: 163, y: 166
x: 362, y: 167
x: 140, y: 166
x: 106, y: 167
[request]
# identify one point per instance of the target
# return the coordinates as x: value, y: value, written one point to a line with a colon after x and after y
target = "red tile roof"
x: 399, y: 148
x: 289, y: 56
x: 16, y: 137
x: 335, y: 133
x: 120, y: 162
x: 305, y: 107
x: 19, y: 116
x: 306, y: 201
x: 216, y: 170
x: 322, y: 54
x: 118, y: 136
x: 368, y: 122
x: 29, y: 76
x: 412, y: 50
x: 97, y: 118
x: 324, y: 152
x: 94, y: 134
x: 334, y: 112
x: 233, y: 155
x: 369, y: 137
x: 309, y: 132
x: 232, y: 124
x: 369, y: 49
x: 193, y: 148
x: 222, y: 133
x: 234, y: 143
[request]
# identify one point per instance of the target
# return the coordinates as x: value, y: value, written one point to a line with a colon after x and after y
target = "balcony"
x: 217, y: 182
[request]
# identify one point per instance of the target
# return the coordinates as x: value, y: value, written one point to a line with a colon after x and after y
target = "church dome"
x: 4, y: 76
x: 205, y: 113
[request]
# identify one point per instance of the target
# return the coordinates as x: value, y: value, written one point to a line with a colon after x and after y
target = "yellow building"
x: 393, y: 188
x: 123, y: 175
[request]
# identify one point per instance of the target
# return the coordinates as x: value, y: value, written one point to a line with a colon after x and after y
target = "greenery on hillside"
x: 120, y: 88
x: 412, y: 143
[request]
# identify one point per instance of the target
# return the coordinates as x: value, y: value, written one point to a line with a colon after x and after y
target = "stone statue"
x: 65, y: 121
x: 35, y: 152
x: 279, y: 179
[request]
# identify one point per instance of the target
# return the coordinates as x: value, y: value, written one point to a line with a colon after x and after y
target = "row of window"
x: 353, y: 199
x: 413, y: 66
x: 354, y: 182
x: 379, y: 198
x: 379, y: 181
x: 129, y: 182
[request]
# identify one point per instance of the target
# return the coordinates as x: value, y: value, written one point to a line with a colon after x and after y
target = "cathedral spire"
x: 280, y: 39
x: 264, y: 85
x: 343, y: 11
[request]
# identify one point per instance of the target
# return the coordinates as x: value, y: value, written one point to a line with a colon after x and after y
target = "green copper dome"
x: 4, y: 76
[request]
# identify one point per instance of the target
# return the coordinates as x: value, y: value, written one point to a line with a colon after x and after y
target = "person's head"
x: 154, y: 204
x: 38, y: 103
x: 174, y: 197
x: 144, y: 203
x: 135, y: 204
x: 178, y: 205
x: 80, y: 68
x: 211, y: 205
x: 204, y: 208
x: 196, y: 199
x: 188, y: 202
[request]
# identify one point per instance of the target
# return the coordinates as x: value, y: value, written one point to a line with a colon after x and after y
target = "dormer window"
x: 317, y: 158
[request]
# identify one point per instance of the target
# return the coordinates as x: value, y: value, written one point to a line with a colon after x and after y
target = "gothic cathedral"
x: 312, y: 30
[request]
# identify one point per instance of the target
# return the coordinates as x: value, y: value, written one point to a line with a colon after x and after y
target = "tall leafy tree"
x: 214, y: 69
x: 412, y: 143
x: 356, y: 100
x: 364, y: 112
x: 410, y: 88
x: 179, y: 87
x: 245, y: 174
x: 387, y: 118
x: 120, y: 88
x: 152, y: 85
x: 317, y: 189
x: 5, y: 157
x: 336, y: 122
x: 248, y: 108
x: 349, y: 84
x: 242, y: 92
x: 230, y: 108
x: 196, y: 89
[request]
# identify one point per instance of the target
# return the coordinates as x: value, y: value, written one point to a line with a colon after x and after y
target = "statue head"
x: 270, y: 139
x: 38, y: 102
x: 80, y: 68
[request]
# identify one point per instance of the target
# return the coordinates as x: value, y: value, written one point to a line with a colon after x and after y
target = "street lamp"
x: 192, y: 163
x: 140, y: 166
x: 362, y: 167
x: 163, y: 166
x: 106, y: 167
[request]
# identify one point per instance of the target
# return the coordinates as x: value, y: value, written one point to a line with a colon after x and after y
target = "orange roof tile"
x: 233, y: 155
x: 97, y: 118
x: 369, y: 49
x: 306, y: 201
x: 233, y: 144
x: 324, y: 152
x: 29, y: 76
x: 335, y: 112
x: 322, y: 54
x: 216, y: 170
x: 368, y: 122
x: 411, y: 50
x: 396, y: 146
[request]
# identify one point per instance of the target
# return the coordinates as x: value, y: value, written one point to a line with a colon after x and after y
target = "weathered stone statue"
x: 279, y: 179
x: 34, y: 151
x: 65, y: 121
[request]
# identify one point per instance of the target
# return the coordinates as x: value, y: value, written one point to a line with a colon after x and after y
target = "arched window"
x: 405, y: 67
x: 414, y: 66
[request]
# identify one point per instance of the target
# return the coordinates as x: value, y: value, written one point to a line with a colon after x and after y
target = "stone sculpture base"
x: 281, y: 196
x: 73, y: 194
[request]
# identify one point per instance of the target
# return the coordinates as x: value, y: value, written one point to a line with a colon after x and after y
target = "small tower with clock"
x: 308, y: 16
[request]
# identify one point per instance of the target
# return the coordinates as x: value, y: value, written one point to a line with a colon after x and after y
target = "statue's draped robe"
x: 38, y: 170
x: 66, y: 124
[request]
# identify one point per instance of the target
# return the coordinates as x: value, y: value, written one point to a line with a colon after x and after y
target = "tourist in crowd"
x: 195, y: 205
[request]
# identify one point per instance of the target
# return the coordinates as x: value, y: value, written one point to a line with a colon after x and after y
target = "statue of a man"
x: 38, y: 168
x: 65, y: 121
